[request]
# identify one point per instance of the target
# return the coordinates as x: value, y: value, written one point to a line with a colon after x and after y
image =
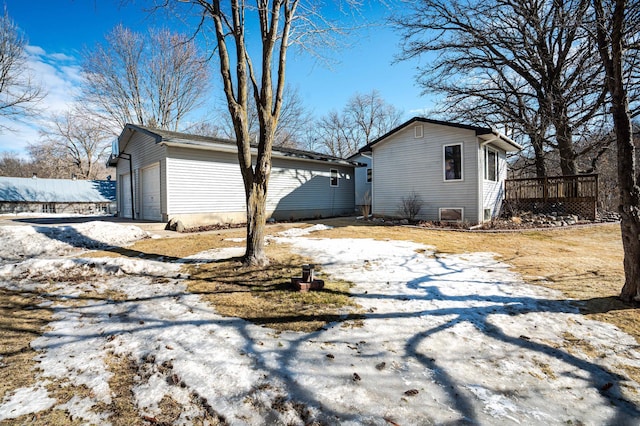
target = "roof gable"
x: 486, y: 133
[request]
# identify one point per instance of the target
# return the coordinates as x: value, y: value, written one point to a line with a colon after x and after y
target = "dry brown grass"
x: 261, y: 295
x: 265, y: 296
x: 584, y: 263
x: 21, y: 321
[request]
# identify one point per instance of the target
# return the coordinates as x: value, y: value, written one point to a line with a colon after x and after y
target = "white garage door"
x: 125, y: 196
x: 151, y: 193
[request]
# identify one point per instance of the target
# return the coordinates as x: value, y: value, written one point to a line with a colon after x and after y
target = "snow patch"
x: 26, y: 400
x: 299, y: 232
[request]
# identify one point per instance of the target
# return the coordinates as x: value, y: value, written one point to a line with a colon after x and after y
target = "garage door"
x: 150, y: 186
x: 125, y: 195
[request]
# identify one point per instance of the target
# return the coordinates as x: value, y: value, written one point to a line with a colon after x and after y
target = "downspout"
x: 128, y: 157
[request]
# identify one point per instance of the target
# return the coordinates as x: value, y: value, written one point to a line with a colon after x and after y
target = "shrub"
x: 410, y: 206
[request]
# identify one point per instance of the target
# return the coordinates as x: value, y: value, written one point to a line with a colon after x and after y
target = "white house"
x: 457, y: 171
x: 167, y: 175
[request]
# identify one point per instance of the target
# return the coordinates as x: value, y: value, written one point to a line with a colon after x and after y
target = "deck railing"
x: 576, y: 194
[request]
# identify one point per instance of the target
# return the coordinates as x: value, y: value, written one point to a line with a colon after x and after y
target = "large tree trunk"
x: 611, y: 44
x: 564, y: 138
x: 629, y: 204
x: 538, y: 148
x: 256, y: 222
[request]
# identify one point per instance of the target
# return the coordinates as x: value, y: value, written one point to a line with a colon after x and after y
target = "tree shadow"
x: 421, y: 298
x: 605, y: 304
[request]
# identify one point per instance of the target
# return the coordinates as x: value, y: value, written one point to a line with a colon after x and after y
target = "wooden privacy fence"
x: 561, y: 194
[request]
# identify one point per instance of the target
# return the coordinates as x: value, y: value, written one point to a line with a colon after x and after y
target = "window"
x: 49, y: 208
x: 369, y: 175
x: 334, y: 177
x: 451, y: 215
x: 418, y: 131
x: 453, y: 162
x: 487, y: 214
x: 490, y: 164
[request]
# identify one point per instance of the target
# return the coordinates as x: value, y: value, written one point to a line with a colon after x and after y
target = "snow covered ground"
x: 447, y: 339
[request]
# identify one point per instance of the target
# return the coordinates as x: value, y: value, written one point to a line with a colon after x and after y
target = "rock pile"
x: 547, y: 220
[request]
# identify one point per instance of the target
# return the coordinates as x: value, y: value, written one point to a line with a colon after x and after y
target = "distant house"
x: 36, y: 195
x: 167, y: 175
x: 457, y: 171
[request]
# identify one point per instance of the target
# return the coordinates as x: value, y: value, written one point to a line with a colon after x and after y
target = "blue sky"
x: 58, y: 30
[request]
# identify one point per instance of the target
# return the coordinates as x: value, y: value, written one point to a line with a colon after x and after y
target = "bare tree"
x: 335, y: 135
x: 256, y: 75
x: 364, y: 118
x: 530, y: 63
x: 152, y: 80
x: 48, y: 160
x: 11, y: 164
x: 294, y: 119
x: 371, y: 116
x: 82, y: 141
x: 617, y: 32
x: 19, y: 93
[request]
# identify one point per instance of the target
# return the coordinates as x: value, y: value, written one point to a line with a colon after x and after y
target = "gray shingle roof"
x: 36, y: 190
x: 198, y: 141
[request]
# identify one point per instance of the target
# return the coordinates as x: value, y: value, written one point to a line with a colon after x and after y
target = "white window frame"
x: 48, y: 207
x: 369, y: 175
x: 444, y: 162
x: 418, y: 131
x: 451, y: 208
x: 487, y: 150
x: 334, y: 175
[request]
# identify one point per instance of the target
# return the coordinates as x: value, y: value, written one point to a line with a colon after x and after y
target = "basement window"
x: 451, y: 214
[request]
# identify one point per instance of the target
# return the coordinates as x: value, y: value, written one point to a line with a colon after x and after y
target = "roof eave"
x: 500, y: 140
x: 304, y: 156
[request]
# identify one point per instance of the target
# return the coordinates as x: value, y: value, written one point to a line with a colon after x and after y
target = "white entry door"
x: 150, y: 186
x: 125, y: 196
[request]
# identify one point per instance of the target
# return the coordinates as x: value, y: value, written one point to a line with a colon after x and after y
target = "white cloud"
x: 59, y: 76
x: 35, y: 50
x: 61, y: 57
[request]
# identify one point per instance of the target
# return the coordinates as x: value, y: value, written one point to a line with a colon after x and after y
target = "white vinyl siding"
x: 297, y: 186
x: 144, y: 152
x: 210, y: 182
x: 203, y: 181
x: 404, y: 164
